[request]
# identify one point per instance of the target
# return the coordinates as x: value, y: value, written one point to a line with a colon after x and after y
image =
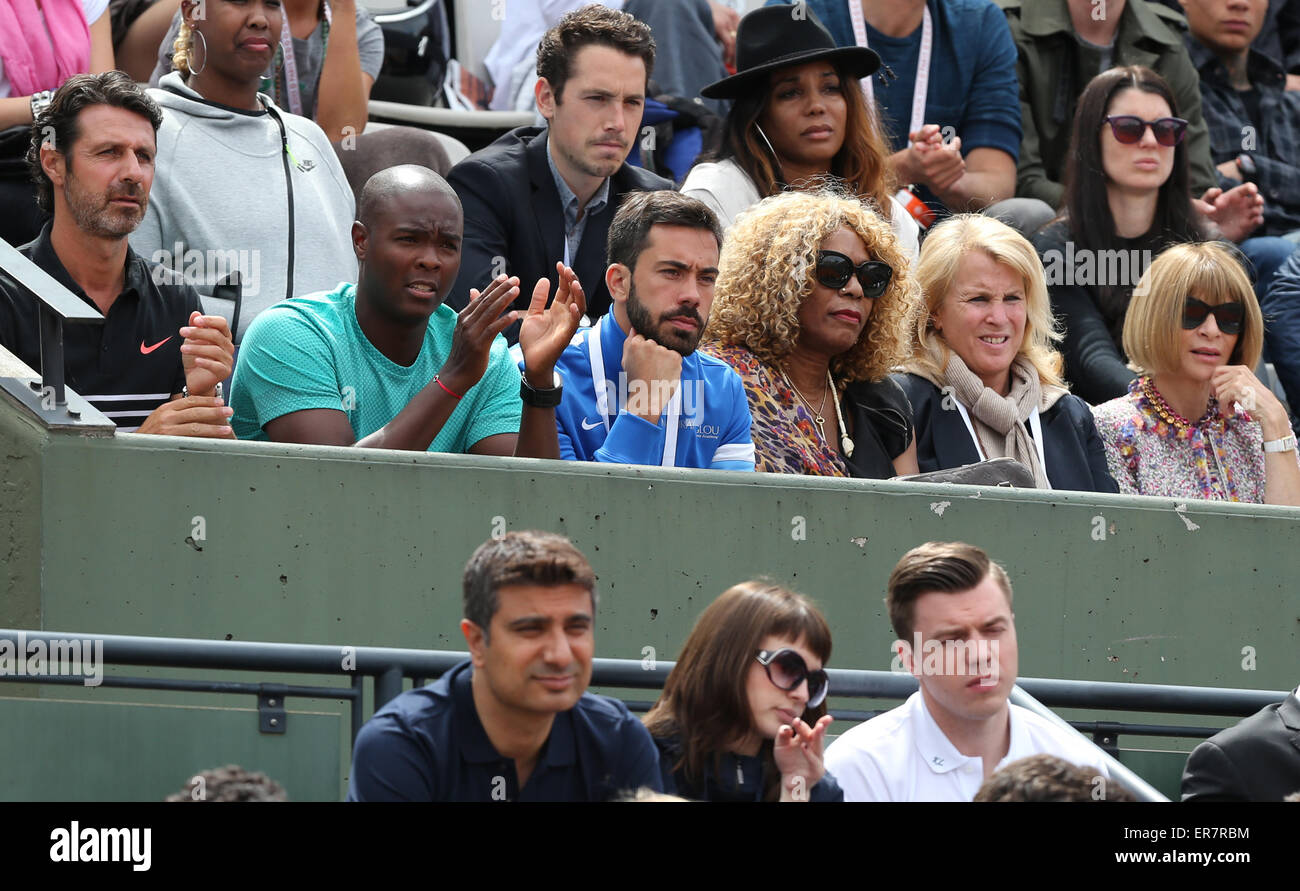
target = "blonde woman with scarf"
x: 984, y: 378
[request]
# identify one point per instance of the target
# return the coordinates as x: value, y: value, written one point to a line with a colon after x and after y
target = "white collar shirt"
x: 902, y: 755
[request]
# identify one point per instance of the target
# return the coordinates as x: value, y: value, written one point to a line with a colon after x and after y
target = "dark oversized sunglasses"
x: 1228, y: 316
x: 787, y: 670
x: 1128, y: 129
x: 834, y: 271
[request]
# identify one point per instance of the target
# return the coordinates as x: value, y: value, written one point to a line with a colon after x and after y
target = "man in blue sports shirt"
x: 635, y: 389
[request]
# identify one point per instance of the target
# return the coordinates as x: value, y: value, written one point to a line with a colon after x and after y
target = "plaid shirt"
x: 1272, y: 141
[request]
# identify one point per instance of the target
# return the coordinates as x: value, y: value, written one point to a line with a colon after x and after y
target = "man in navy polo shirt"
x: 514, y: 723
x: 156, y: 364
x: 636, y: 389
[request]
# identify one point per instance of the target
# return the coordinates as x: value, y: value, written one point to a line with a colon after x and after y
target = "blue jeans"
x: 1277, y: 285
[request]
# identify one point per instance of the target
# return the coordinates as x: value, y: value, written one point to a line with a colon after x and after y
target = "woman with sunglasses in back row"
x: 1197, y: 423
x: 1126, y: 194
x: 812, y: 308
x: 742, y: 716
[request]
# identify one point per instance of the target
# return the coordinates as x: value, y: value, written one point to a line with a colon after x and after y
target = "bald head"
x: 401, y: 187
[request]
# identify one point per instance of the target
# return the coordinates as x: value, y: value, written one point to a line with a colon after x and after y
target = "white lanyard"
x: 922, y: 87
x: 291, y: 62
x: 598, y: 381
x: 1034, y: 424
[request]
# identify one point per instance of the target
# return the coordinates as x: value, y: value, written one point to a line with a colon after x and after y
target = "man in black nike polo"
x: 157, y: 363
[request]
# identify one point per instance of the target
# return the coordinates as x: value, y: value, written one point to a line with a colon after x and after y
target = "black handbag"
x: 995, y: 472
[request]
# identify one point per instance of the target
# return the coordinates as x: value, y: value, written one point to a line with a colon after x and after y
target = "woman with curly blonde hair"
x: 984, y: 378
x: 813, y: 306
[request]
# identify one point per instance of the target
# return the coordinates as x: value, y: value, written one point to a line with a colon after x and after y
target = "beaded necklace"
x: 1185, y: 429
x: 1166, y: 413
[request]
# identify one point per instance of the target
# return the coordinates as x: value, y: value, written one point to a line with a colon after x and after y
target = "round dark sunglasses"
x: 1128, y: 129
x: 1228, y: 316
x: 834, y: 271
x: 787, y: 670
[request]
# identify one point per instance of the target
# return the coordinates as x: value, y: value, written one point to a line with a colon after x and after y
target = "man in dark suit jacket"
x: 1257, y: 759
x: 540, y: 196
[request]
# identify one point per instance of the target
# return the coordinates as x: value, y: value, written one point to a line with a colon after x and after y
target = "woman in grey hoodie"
x: 240, y: 184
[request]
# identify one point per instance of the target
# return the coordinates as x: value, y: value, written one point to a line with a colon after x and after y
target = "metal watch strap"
x: 41, y: 101
x: 540, y: 398
x: 185, y: 391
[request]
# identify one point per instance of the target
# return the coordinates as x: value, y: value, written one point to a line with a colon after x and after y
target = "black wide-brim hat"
x: 773, y: 37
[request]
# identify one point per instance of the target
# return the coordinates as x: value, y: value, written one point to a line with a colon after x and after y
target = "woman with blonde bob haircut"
x: 742, y: 716
x: 1194, y: 332
x: 984, y: 378
x: 813, y: 306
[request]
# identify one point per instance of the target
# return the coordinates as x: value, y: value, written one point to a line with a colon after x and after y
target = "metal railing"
x: 57, y: 306
x: 390, y: 667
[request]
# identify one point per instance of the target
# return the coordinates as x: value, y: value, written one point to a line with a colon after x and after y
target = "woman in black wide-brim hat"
x: 798, y: 117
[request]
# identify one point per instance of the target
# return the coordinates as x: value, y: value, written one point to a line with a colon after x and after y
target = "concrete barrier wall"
x: 173, y: 537
x: 250, y: 541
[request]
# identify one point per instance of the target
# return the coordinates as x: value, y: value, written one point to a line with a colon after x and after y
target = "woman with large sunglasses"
x: 1197, y: 423
x: 1126, y: 199
x: 742, y: 716
x: 984, y: 379
x: 812, y: 308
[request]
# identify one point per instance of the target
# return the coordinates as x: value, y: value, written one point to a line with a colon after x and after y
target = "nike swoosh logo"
x: 586, y: 426
x: 144, y: 350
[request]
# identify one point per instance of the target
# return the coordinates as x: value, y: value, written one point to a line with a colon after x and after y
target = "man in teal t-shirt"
x: 384, y: 364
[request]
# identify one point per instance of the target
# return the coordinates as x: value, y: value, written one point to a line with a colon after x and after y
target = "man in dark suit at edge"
x: 1257, y: 759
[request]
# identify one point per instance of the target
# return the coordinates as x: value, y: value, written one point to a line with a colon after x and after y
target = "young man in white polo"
x: 951, y: 608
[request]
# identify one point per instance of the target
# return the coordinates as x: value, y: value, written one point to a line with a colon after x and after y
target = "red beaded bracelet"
x: 445, y: 388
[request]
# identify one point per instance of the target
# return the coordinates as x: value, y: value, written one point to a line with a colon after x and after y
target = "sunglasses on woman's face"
x: 1228, y: 316
x: 834, y: 271
x: 1128, y: 129
x: 787, y: 670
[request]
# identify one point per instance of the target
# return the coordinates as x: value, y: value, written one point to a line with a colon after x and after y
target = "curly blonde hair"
x: 941, y: 257
x: 766, y: 272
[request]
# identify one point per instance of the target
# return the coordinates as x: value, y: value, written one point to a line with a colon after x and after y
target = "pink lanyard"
x: 291, y: 62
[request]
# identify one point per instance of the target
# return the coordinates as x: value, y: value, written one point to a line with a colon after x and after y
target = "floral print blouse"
x: 1216, y: 458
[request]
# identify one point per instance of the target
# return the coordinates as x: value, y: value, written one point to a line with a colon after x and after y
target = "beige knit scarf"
x: 1000, y: 421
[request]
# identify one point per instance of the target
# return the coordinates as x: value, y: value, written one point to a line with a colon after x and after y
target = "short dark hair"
x: 57, y: 124
x: 630, y: 230
x: 596, y: 24
x: 527, y: 557
x: 230, y: 783
x: 948, y: 567
x: 1049, y: 778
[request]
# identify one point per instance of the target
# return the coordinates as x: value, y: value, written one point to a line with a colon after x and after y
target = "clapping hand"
x: 545, y: 333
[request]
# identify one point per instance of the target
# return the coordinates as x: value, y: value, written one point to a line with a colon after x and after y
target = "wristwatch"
x: 540, y: 398
x: 41, y: 101
x: 1285, y: 444
x: 185, y: 391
